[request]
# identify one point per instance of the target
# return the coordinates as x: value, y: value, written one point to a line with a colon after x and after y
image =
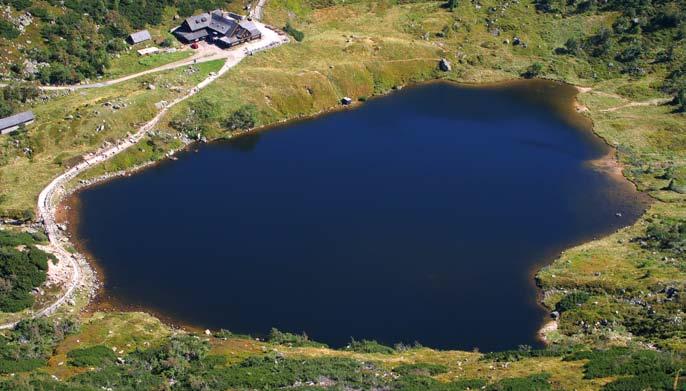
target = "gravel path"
x: 51, y: 195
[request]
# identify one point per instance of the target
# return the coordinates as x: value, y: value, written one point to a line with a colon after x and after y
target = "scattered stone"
x: 444, y: 65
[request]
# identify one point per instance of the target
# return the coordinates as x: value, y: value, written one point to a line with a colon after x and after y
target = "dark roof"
x: 16, y: 120
x: 229, y: 40
x: 192, y: 36
x: 251, y: 27
x: 198, y: 22
x: 221, y: 24
x: 140, y: 36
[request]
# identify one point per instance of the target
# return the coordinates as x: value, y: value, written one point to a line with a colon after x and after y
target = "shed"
x: 139, y: 36
x: 13, y: 122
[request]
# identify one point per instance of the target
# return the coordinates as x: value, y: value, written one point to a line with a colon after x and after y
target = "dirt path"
x: 258, y: 10
x: 650, y: 102
x: 51, y: 195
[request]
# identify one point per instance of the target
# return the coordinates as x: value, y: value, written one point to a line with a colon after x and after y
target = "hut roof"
x: 250, y: 26
x: 198, y: 22
x: 16, y: 120
x: 140, y: 36
x: 221, y: 24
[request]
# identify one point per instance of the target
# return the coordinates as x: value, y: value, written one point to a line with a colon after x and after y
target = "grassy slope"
x: 125, y: 332
x: 57, y: 141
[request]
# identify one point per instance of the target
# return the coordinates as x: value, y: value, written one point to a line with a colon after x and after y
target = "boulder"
x: 444, y: 65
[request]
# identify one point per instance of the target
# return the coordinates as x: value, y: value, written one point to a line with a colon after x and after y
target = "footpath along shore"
x: 82, y: 277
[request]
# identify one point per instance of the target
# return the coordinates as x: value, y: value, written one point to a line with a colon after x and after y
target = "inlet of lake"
x: 419, y: 216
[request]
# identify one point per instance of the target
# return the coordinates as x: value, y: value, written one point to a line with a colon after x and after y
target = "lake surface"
x: 420, y: 216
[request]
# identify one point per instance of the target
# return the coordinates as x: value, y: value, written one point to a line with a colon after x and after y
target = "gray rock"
x: 444, y: 65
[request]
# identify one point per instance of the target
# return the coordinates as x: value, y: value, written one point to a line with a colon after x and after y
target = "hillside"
x: 620, y: 299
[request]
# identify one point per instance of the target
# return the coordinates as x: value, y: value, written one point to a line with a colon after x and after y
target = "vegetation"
x: 89, y: 357
x: 366, y: 346
x: 295, y: 33
x: 572, y: 301
x: 622, y: 290
x: 242, y: 119
x: 7, y: 30
x: 23, y: 267
x: 294, y: 340
x: 74, y: 47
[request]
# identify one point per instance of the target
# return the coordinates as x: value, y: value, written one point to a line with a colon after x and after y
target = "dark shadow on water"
x: 417, y: 217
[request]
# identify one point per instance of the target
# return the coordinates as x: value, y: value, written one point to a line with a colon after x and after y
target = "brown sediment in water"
x: 564, y: 103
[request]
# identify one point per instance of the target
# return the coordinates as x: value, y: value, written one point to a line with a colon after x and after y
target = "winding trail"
x: 51, y: 195
x: 650, y: 102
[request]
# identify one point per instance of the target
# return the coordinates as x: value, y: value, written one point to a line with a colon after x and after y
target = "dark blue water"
x: 419, y: 217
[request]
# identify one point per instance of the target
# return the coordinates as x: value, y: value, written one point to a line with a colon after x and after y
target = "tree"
x: 295, y: 33
x: 452, y: 4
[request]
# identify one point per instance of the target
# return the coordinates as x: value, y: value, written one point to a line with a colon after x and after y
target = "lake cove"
x: 420, y: 216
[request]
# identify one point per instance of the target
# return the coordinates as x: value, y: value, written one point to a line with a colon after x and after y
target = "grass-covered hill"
x: 620, y: 298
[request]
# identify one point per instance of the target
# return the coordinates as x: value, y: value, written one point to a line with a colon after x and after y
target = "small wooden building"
x: 139, y: 36
x: 13, y: 122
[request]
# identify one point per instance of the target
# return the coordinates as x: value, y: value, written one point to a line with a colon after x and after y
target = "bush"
x: 538, y: 382
x: 680, y: 100
x: 295, y: 33
x: 242, y: 119
x: 624, y: 362
x: 420, y: 369
x: 571, y: 301
x: 21, y: 365
x: 525, y: 352
x: 7, y: 30
x: 666, y: 235
x: 534, y: 70
x: 366, y: 346
x: 281, y: 338
x: 21, y: 270
x: 91, y: 357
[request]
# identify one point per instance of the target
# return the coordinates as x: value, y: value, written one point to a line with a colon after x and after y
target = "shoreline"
x: 83, y: 278
x: 608, y: 164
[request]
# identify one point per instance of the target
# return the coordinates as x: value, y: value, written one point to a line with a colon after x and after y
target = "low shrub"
x: 21, y: 365
x: 420, y: 369
x: 282, y: 338
x: 571, y: 301
x: 538, y: 382
x: 7, y: 30
x: 242, y: 119
x: 626, y: 362
x: 91, y: 357
x: 366, y: 346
